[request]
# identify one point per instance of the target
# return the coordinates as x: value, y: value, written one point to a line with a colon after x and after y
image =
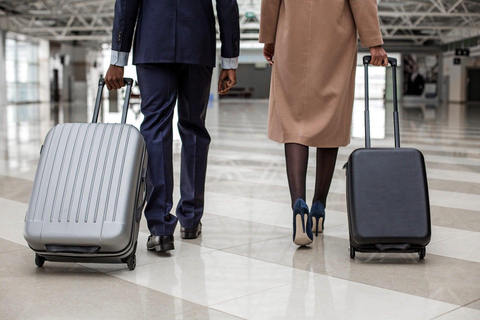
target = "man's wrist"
x: 230, y: 63
x: 119, y: 58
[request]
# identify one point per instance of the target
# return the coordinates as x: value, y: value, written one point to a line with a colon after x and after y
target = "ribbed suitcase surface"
x: 86, y: 189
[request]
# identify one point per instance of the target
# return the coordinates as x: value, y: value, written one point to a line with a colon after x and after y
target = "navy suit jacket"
x: 181, y: 31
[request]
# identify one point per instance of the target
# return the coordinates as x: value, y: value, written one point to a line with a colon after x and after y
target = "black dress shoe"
x: 192, y: 233
x: 160, y: 243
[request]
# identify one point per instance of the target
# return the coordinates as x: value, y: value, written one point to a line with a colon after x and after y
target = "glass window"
x: 11, y: 74
x: 10, y: 49
x: 22, y: 69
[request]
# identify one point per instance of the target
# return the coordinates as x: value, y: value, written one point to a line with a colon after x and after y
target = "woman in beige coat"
x: 312, y: 47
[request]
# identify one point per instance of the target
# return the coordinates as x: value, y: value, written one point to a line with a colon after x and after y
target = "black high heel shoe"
x: 318, y: 217
x: 302, y: 224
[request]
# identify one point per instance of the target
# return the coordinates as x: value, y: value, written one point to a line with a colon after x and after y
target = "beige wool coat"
x: 313, y: 77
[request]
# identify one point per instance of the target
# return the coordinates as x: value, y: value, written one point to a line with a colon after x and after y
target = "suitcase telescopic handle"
x: 396, y: 126
x: 98, y: 101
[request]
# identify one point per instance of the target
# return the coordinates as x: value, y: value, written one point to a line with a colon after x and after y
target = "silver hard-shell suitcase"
x: 89, y: 192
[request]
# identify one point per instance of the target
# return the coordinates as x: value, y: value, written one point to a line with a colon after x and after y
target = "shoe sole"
x: 190, y: 235
x: 320, y: 225
x: 301, y: 238
x: 162, y: 247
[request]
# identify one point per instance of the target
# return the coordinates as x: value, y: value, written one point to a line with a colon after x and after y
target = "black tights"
x: 296, y: 156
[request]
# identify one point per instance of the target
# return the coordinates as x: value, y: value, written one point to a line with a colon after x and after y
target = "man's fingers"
x: 118, y: 83
x: 385, y: 61
x: 109, y: 87
x: 230, y: 84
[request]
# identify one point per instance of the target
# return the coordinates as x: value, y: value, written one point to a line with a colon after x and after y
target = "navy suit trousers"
x: 160, y: 86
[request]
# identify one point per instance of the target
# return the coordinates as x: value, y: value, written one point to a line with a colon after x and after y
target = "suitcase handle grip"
x: 98, y: 100
x: 396, y: 125
x: 391, y: 61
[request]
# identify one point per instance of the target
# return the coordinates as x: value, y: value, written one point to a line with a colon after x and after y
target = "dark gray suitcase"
x: 89, y: 192
x: 387, y: 192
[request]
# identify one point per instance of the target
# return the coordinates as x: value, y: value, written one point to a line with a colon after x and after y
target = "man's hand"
x: 226, y: 81
x: 114, y: 77
x: 268, y: 52
x: 379, y: 56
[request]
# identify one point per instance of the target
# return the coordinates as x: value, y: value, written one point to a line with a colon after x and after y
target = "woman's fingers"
x: 385, y: 61
x: 379, y: 56
x: 268, y: 52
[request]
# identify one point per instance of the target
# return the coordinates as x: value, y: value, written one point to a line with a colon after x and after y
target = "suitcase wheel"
x: 132, y: 262
x: 352, y: 253
x: 422, y: 253
x: 39, y: 261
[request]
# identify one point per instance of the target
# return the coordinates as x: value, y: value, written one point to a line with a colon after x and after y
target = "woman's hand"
x: 268, y: 52
x: 379, y: 56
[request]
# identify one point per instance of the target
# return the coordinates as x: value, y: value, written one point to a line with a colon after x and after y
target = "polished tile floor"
x: 245, y: 266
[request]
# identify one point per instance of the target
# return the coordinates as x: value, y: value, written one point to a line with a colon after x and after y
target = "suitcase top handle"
x: 391, y: 61
x: 98, y: 101
x: 396, y: 129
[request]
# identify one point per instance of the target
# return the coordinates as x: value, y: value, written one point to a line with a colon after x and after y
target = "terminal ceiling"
x: 89, y: 22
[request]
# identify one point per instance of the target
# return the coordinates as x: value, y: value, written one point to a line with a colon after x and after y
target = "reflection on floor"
x: 245, y: 264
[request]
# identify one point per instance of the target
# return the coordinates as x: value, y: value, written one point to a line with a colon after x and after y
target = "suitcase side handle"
x: 396, y: 125
x: 98, y: 100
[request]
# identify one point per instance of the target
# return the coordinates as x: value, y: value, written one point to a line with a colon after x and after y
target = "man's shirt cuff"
x: 119, y: 58
x: 230, y: 63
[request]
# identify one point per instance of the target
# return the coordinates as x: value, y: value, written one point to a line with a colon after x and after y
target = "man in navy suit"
x: 174, y: 51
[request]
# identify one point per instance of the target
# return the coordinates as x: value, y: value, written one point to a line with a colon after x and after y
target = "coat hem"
x: 307, y: 141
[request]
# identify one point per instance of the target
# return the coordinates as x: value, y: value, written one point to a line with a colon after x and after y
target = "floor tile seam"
x: 428, y: 253
x: 166, y: 260
x: 239, y: 196
x: 343, y: 194
x: 337, y: 212
x: 212, y: 249
x: 13, y: 250
x: 256, y: 223
x: 209, y: 305
x: 256, y: 241
x: 335, y: 275
x: 199, y: 305
x: 468, y: 233
x: 434, y: 243
x: 280, y: 264
x: 241, y: 245
x: 13, y: 200
x: 455, y: 306
x: 264, y: 290
x: 315, y: 275
x: 138, y: 284
x: 287, y: 201
x: 467, y: 305
x: 443, y: 314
